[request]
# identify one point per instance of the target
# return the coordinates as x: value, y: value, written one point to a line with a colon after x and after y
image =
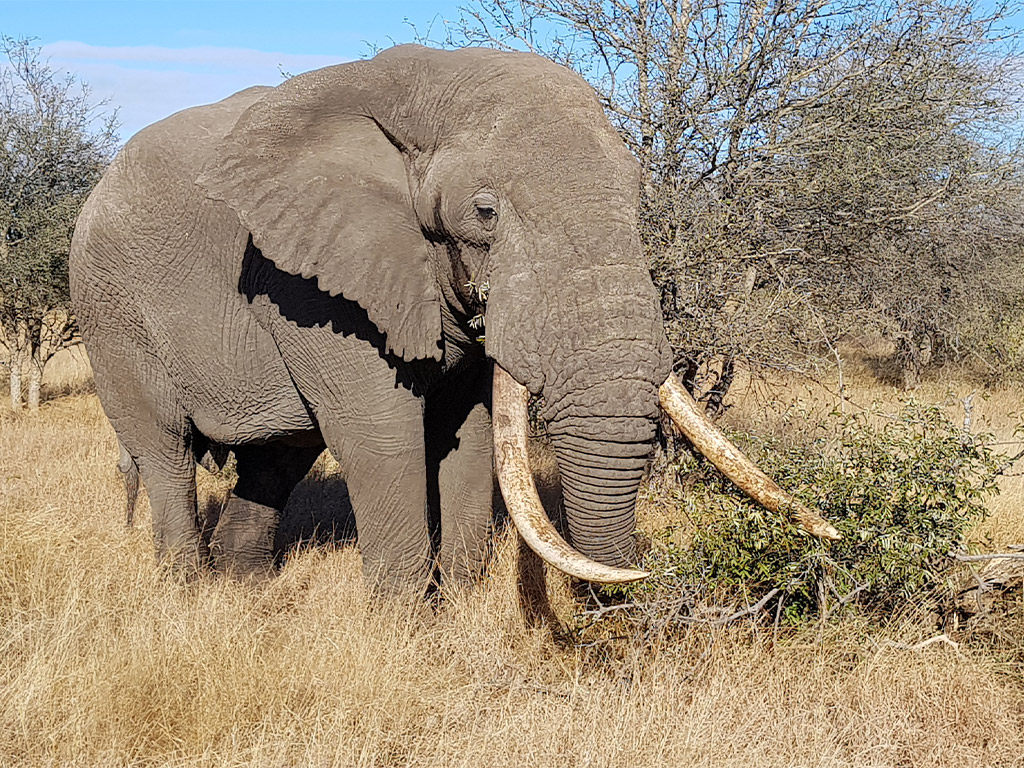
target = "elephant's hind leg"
x: 243, y: 542
x: 164, y: 458
x: 153, y: 430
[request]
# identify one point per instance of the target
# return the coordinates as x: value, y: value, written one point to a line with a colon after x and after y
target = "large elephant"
x: 309, y: 265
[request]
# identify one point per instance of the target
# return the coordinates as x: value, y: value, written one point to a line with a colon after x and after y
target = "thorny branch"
x: 655, y: 616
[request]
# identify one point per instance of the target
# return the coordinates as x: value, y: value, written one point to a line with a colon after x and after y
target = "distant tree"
x: 53, y: 147
x: 811, y: 167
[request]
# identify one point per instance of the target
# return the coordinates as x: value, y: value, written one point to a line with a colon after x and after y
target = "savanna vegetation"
x: 833, y: 204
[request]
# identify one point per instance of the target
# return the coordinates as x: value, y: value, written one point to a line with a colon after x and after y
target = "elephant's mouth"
x: 524, y: 506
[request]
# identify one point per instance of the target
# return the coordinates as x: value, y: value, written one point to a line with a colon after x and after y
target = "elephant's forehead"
x: 514, y: 90
x: 552, y: 149
x: 579, y: 172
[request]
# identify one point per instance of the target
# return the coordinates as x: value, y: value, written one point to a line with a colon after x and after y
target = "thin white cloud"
x: 148, y: 83
x: 204, y: 56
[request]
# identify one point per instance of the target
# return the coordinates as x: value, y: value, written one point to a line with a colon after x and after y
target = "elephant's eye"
x: 485, y: 205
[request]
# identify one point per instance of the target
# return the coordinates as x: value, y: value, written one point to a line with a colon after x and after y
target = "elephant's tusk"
x: 524, y: 507
x: 711, y: 442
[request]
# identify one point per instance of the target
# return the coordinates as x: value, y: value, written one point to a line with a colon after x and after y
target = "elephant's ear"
x: 325, y: 194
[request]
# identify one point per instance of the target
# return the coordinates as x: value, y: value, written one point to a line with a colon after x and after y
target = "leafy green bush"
x: 904, y: 489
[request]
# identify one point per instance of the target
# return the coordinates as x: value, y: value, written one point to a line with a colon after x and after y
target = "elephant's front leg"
x: 459, y: 473
x: 379, y: 445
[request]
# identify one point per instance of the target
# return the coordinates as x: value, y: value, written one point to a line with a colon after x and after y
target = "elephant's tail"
x: 130, y: 475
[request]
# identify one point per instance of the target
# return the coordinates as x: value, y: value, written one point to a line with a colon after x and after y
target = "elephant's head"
x: 420, y: 181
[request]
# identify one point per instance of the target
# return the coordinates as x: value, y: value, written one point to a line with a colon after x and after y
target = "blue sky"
x: 154, y: 57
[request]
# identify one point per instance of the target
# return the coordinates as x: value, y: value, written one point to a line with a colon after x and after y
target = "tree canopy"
x: 813, y: 168
x: 54, y: 144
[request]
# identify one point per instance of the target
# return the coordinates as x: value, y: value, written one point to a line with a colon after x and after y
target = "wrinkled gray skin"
x: 287, y: 270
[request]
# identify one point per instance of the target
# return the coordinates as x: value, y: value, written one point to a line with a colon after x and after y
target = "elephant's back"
x: 146, y: 218
x: 151, y: 181
x: 184, y: 142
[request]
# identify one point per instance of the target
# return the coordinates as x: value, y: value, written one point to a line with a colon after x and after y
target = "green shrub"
x: 904, y: 489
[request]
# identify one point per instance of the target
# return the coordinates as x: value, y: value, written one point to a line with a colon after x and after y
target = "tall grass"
x: 104, y: 661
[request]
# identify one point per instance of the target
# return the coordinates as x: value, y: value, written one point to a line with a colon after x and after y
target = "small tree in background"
x: 53, y: 149
x: 811, y: 168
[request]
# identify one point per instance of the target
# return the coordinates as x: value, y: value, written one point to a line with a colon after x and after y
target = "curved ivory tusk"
x: 718, y: 449
x: 513, y: 467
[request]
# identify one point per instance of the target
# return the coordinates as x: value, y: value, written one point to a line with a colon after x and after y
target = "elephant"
x: 384, y: 258
x: 209, y: 456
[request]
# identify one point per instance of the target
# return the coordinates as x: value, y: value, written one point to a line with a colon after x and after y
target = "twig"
x: 778, y: 618
x: 601, y: 610
x: 980, y: 588
x: 656, y: 617
x: 943, y: 638
x: 1010, y: 461
x: 843, y: 601
x: 655, y: 629
x: 750, y: 609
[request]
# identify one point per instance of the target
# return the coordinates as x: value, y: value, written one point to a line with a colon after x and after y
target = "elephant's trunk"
x: 600, y: 478
x: 601, y: 421
x: 517, y: 486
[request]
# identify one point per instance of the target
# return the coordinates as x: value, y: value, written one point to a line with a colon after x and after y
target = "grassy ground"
x: 103, y: 661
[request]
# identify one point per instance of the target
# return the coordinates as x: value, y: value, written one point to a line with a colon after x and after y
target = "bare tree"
x: 53, y: 148
x: 811, y: 167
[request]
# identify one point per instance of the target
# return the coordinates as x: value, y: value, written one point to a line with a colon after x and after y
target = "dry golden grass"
x: 103, y: 661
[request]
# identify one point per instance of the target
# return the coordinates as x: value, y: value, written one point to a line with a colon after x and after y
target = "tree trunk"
x: 21, y: 357
x: 910, y: 374
x: 40, y: 353
x: 15, y: 383
x: 35, y: 379
x: 914, y: 352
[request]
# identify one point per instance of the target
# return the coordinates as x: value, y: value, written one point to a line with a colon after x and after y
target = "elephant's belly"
x: 236, y: 421
x: 250, y: 398
x: 229, y: 374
